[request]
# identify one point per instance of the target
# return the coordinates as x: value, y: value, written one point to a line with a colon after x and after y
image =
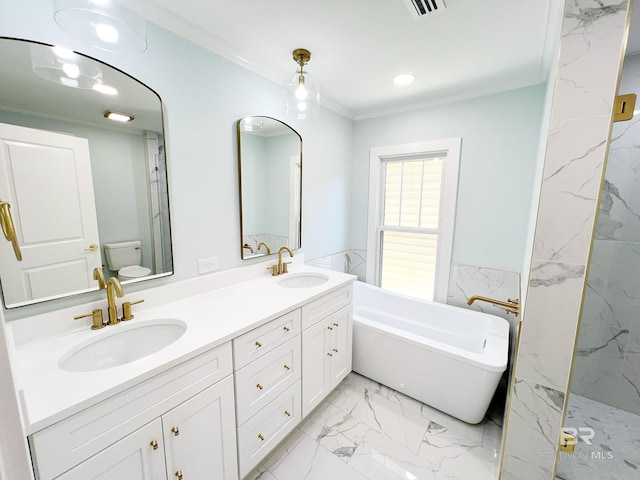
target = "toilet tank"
x: 123, y: 254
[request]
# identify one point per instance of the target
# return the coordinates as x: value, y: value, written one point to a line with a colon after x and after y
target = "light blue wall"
x: 204, y: 96
x: 499, y: 149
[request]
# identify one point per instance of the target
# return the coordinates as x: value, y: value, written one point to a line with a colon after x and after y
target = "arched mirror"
x: 270, y: 169
x: 86, y: 193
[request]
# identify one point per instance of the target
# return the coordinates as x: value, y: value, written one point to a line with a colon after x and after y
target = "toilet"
x: 124, y: 258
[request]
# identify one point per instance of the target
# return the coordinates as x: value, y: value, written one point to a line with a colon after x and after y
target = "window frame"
x: 449, y: 149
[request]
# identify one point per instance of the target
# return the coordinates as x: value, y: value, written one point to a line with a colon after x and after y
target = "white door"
x: 200, y: 435
x: 46, y: 178
x: 139, y: 456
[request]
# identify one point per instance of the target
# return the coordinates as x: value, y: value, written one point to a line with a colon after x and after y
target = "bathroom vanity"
x: 255, y: 358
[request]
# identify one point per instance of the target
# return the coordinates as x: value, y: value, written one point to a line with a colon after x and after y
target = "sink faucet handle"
x: 285, y: 268
x: 126, y: 310
x: 98, y: 323
x: 274, y: 270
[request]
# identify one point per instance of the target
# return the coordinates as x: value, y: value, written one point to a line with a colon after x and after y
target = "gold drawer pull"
x: 330, y: 328
x: 176, y: 431
x: 286, y: 329
x: 258, y: 344
x: 154, y: 444
x: 287, y: 413
x: 259, y: 387
x: 336, y: 325
x: 179, y: 474
x: 287, y: 367
x: 330, y: 354
x: 335, y: 350
x: 261, y: 437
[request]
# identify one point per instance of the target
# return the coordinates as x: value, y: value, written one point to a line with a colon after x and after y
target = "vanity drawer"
x: 59, y: 447
x: 324, y: 306
x: 261, y: 433
x: 257, y: 342
x: 263, y: 380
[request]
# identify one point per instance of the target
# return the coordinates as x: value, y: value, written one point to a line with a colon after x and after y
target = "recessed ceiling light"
x: 404, y: 78
x: 118, y: 117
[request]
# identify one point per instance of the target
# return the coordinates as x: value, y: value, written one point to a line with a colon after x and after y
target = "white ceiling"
x: 471, y: 48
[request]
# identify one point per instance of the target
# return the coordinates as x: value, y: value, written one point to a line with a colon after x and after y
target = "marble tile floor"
x: 614, y: 453
x: 365, y: 430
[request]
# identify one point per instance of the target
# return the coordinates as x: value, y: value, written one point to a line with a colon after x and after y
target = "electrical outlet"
x: 208, y: 265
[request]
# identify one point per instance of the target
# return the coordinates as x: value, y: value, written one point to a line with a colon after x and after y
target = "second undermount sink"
x: 123, y: 345
x: 303, y: 280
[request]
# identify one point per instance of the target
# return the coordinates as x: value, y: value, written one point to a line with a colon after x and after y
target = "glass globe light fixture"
x: 302, y: 92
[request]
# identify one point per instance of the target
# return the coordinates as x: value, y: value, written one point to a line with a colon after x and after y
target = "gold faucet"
x: 99, y: 276
x: 113, y: 287
x: 265, y: 246
x: 512, y: 306
x: 248, y: 247
x: 281, y: 267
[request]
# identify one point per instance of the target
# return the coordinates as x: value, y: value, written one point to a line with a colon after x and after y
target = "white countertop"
x: 49, y: 394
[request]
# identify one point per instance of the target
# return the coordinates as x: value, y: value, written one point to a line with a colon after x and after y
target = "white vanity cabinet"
x: 267, y: 377
x: 326, y: 345
x: 180, y: 422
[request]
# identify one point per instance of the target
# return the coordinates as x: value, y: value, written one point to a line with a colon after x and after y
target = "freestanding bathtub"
x: 447, y: 357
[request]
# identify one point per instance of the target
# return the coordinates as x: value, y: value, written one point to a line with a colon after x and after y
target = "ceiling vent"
x: 424, y: 8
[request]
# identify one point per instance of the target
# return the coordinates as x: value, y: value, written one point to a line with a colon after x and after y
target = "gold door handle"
x: 92, y: 248
x: 258, y: 344
x: 154, y: 444
x: 179, y: 474
x: 8, y: 228
x: 261, y: 437
x: 176, y: 431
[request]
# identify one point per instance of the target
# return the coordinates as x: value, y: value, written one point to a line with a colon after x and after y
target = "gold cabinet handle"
x: 330, y: 328
x: 330, y: 354
x: 179, y: 474
x: 258, y: 344
x: 154, y: 444
x: 176, y: 431
x: 261, y: 437
x: 335, y: 350
x: 335, y: 324
x: 287, y: 367
x: 8, y: 228
x: 287, y: 413
x: 92, y: 248
x: 285, y: 328
x: 259, y: 387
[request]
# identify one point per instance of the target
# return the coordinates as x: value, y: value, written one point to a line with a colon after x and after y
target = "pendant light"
x: 302, y: 93
x: 112, y: 25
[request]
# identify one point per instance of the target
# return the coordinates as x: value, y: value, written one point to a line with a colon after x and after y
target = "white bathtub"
x: 447, y: 357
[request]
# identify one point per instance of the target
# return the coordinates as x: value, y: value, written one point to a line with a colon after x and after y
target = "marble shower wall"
x: 607, y: 367
x: 593, y: 35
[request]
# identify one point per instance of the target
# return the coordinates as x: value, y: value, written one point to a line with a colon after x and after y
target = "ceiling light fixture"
x: 302, y: 93
x: 404, y: 79
x: 118, y: 117
x: 112, y: 25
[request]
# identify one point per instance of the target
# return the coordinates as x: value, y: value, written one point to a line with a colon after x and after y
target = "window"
x: 412, y: 197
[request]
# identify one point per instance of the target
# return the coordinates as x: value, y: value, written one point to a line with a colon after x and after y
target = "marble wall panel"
x: 549, y: 329
x: 532, y: 431
x: 350, y: 261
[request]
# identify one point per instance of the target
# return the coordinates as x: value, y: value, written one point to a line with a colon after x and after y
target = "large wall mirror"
x: 81, y: 194
x: 270, y: 167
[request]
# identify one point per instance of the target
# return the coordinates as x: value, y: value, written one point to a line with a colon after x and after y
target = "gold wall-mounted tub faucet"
x: 511, y: 306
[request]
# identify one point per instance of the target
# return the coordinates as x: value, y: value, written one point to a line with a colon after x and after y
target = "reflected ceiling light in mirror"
x: 118, y: 117
x: 404, y: 79
x: 112, y: 25
x: 302, y: 93
x: 252, y: 124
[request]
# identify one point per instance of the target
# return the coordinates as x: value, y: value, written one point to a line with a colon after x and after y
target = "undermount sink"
x: 303, y: 280
x: 122, y: 345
